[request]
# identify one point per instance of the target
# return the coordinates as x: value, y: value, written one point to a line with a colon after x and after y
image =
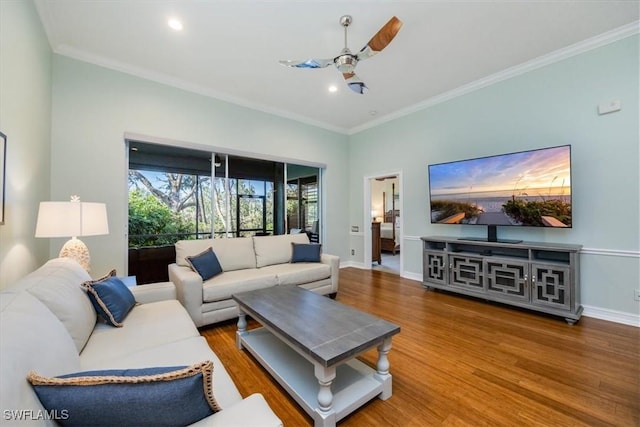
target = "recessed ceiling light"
x: 333, y: 88
x: 175, y: 24
x: 373, y: 112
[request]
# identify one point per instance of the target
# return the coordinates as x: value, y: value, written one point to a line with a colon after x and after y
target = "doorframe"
x: 367, y: 217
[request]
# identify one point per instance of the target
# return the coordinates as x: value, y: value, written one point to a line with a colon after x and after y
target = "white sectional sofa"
x: 48, y: 325
x: 248, y: 263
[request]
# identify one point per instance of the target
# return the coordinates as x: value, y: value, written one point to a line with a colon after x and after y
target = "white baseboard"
x: 407, y: 275
x: 412, y: 276
x: 631, y: 319
x: 353, y: 264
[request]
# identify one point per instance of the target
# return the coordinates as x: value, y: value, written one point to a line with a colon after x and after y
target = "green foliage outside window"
x: 163, y: 207
x: 152, y: 223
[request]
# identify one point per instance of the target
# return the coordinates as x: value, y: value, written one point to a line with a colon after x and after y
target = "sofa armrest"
x: 251, y: 411
x: 334, y: 262
x: 154, y: 292
x: 189, y: 290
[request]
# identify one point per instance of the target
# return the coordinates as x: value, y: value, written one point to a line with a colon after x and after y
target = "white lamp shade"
x: 94, y: 219
x: 71, y: 219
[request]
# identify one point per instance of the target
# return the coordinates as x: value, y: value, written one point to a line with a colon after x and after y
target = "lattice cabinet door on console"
x: 434, y: 266
x: 467, y: 272
x: 536, y: 276
x: 507, y: 279
x: 551, y: 286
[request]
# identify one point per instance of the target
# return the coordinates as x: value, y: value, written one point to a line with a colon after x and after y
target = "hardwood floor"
x: 465, y: 362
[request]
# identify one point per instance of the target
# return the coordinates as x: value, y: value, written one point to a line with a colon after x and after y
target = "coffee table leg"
x: 242, y: 328
x: 324, y: 415
x: 383, y: 368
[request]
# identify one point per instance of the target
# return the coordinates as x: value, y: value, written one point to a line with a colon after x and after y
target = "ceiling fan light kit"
x: 346, y: 61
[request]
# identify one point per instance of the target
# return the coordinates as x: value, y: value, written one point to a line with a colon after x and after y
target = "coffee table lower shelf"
x: 355, y: 383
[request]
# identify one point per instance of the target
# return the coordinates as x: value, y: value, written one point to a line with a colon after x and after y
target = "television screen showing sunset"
x: 524, y: 188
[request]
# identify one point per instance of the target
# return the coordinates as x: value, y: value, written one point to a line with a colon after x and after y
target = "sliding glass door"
x: 177, y: 193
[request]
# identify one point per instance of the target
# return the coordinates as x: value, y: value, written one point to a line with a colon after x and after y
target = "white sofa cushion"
x: 299, y: 273
x: 233, y: 253
x: 153, y: 292
x: 147, y: 325
x: 57, y: 284
x: 254, y: 411
x: 187, y: 248
x: 226, y: 284
x: 272, y: 250
x: 31, y: 338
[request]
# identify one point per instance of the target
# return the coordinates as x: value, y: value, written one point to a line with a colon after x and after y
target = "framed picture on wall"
x: 3, y: 167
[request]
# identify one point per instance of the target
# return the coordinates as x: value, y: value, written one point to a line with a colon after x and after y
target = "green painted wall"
x: 553, y: 105
x: 93, y: 107
x: 25, y: 117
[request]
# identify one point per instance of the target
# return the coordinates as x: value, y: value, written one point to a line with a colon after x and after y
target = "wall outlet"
x: 353, y: 251
x: 355, y: 228
x: 636, y: 294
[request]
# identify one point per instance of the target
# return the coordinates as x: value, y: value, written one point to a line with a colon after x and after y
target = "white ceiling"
x: 229, y: 49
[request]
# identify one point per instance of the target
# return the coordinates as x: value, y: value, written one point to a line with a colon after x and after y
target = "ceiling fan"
x: 346, y: 61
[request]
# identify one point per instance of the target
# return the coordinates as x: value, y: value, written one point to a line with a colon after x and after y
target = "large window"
x: 165, y: 207
x: 177, y: 193
x: 169, y: 194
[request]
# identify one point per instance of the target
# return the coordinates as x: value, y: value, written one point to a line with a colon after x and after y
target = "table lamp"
x: 73, y: 219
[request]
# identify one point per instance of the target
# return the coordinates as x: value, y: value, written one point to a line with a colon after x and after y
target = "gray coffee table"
x: 309, y: 344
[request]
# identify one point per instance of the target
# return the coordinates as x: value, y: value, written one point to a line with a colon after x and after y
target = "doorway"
x: 383, y: 222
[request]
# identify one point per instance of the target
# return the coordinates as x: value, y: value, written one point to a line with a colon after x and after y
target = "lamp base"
x: 77, y: 250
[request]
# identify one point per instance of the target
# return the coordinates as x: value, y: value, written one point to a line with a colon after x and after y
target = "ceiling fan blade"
x: 382, y: 38
x: 310, y: 63
x: 354, y: 83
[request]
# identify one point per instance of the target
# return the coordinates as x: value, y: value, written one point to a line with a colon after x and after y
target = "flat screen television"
x: 523, y: 189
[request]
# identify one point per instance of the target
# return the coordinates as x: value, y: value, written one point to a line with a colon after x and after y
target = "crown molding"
x: 542, y: 61
x: 44, y: 11
x: 165, y: 79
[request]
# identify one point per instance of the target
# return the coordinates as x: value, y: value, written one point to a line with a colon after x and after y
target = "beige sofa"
x: 248, y: 263
x: 48, y: 325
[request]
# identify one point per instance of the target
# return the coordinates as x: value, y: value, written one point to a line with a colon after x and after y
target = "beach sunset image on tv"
x: 529, y: 188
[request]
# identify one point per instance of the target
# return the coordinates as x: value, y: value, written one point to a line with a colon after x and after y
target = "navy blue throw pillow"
x: 206, y: 264
x: 168, y: 396
x: 305, y: 252
x: 111, y: 298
